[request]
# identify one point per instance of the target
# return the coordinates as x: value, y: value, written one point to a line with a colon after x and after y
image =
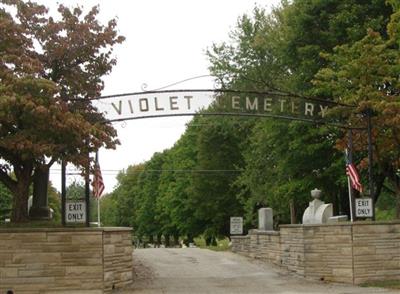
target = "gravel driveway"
x: 194, y: 270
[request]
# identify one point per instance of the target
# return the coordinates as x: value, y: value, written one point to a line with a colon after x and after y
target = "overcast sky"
x: 165, y: 43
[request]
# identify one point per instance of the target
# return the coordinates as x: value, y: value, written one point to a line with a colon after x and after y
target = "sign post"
x: 236, y: 227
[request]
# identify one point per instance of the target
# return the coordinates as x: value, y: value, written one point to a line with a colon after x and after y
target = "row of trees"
x: 345, y: 51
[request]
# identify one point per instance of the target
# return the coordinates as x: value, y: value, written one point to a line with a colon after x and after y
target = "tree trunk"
x: 167, y: 240
x: 214, y: 241
x: 176, y: 239
x: 398, y: 203
x: 292, y: 212
x: 20, y: 202
x: 158, y: 240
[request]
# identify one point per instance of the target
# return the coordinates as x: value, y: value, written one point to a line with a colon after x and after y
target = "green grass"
x: 40, y: 224
x: 222, y: 245
x: 32, y: 224
x: 390, y: 284
x: 385, y: 215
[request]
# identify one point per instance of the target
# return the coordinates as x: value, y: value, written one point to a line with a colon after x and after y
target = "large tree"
x: 366, y: 74
x: 49, y: 70
x: 281, y: 51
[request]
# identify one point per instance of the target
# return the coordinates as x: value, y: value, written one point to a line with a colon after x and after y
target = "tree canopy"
x: 345, y: 51
x: 50, y: 69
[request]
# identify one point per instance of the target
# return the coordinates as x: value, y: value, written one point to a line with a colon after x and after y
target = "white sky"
x: 165, y: 43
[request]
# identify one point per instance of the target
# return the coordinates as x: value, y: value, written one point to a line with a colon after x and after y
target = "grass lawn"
x: 42, y: 224
x: 32, y: 224
x: 222, y: 245
x: 391, y: 284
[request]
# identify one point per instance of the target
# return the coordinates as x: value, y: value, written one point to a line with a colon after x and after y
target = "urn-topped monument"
x: 317, y: 211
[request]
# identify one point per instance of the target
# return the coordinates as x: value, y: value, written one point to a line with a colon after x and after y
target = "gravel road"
x: 194, y: 270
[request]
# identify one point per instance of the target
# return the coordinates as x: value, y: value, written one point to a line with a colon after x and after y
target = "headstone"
x: 265, y: 219
x: 317, y: 211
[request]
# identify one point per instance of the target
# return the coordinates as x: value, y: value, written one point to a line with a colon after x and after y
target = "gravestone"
x: 265, y: 219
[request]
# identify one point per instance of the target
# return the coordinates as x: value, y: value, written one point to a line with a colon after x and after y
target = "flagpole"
x: 350, y: 192
x: 98, y: 187
x: 350, y: 199
x: 98, y: 198
x: 98, y: 212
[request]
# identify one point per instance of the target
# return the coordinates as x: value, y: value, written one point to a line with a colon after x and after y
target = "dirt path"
x: 193, y: 270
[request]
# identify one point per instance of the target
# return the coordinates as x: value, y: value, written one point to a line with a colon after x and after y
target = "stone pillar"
x: 265, y: 219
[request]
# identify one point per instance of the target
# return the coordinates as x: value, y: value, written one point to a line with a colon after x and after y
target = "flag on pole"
x: 97, y: 184
x: 352, y: 173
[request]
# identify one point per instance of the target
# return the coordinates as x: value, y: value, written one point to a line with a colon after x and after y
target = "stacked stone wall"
x: 347, y: 252
x: 265, y: 245
x: 64, y: 260
x: 376, y: 252
x: 241, y: 244
x: 328, y: 253
x: 292, y: 247
x: 117, y: 260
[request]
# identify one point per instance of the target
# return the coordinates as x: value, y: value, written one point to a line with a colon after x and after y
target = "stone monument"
x: 317, y: 211
x: 265, y: 219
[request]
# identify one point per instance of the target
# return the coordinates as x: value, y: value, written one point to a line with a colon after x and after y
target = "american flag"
x: 97, y: 184
x: 352, y: 173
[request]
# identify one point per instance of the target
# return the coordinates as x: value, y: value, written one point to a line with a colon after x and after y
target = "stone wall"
x: 292, y: 248
x: 117, y: 259
x: 88, y: 260
x: 241, y: 244
x: 328, y: 253
x: 376, y: 252
x: 346, y: 252
x: 265, y: 245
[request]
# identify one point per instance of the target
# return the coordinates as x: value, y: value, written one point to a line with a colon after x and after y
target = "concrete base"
x: 40, y: 213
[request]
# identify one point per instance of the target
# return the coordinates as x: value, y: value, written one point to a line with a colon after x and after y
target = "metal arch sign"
x: 166, y: 103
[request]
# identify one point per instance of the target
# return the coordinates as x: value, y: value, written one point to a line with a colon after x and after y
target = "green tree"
x: 213, y: 194
x: 175, y: 188
x: 49, y: 70
x: 282, y: 158
x: 145, y: 204
x: 126, y: 194
x: 310, y: 27
x: 55, y: 203
x: 75, y: 191
x: 366, y: 74
x: 109, y: 210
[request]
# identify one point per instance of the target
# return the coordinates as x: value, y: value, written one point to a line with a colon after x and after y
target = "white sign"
x: 75, y: 212
x: 148, y: 105
x: 236, y: 225
x: 364, y: 207
x: 187, y: 102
